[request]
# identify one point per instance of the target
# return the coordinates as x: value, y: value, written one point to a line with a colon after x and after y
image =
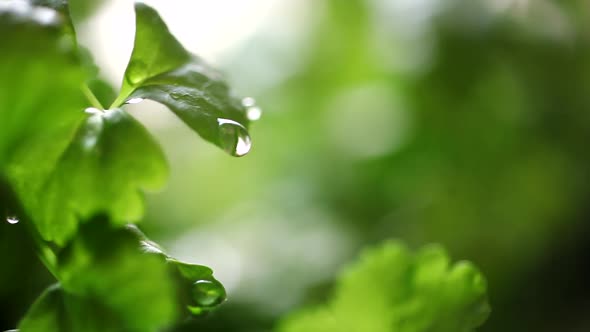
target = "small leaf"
x: 201, y: 292
x: 161, y: 69
x: 393, y: 290
x: 205, y: 292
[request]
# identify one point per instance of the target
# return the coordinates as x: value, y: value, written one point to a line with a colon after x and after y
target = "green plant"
x: 73, y: 171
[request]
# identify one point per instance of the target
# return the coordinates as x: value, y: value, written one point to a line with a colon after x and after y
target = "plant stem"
x: 121, y: 97
x: 91, y: 97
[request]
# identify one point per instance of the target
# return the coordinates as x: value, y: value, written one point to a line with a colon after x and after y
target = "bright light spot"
x: 134, y: 101
x: 45, y: 16
x: 12, y: 220
x: 366, y: 121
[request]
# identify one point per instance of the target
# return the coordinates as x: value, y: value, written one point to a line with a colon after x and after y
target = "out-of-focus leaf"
x: 106, y: 264
x: 57, y: 311
x: 63, y: 8
x: 110, y: 281
x: 394, y: 290
x: 81, y: 10
x: 40, y: 98
x: 162, y: 70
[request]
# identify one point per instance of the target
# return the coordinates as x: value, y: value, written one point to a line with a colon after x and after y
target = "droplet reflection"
x: 207, y: 293
x: 234, y: 138
x: 12, y: 220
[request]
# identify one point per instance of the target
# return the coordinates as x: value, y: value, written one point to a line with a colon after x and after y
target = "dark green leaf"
x: 106, y: 265
x: 393, y: 290
x: 162, y: 70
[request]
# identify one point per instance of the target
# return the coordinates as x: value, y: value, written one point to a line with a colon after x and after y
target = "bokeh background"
x: 460, y: 122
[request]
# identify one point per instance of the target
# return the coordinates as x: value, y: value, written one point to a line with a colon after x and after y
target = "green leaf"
x: 62, y: 7
x: 39, y: 95
x: 109, y: 160
x: 57, y: 311
x: 394, y: 290
x: 40, y: 98
x: 113, y: 279
x: 201, y: 292
x: 111, y: 286
x: 106, y: 265
x: 161, y: 69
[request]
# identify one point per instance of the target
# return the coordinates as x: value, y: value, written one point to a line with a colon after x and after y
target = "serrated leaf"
x: 161, y: 69
x: 394, y: 290
x: 109, y: 160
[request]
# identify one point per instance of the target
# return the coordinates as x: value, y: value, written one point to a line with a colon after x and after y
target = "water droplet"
x: 253, y: 112
x: 134, y: 101
x: 234, y: 138
x: 207, y: 293
x: 12, y: 220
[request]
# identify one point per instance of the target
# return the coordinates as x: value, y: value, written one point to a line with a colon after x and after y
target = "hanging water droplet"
x: 234, y: 138
x: 253, y: 112
x: 134, y: 101
x: 207, y: 293
x: 12, y: 220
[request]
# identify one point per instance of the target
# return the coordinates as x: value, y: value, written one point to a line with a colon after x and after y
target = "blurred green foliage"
x: 394, y: 290
x: 458, y: 122
x: 468, y: 128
